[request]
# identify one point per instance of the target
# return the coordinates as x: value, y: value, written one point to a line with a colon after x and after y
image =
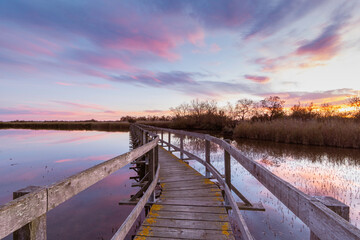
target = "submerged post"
x: 36, y: 229
x: 227, y: 166
x: 162, y: 138
x: 181, y: 147
x: 169, y: 141
x: 207, y: 156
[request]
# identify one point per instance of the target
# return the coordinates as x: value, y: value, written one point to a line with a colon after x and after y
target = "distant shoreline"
x: 77, y: 125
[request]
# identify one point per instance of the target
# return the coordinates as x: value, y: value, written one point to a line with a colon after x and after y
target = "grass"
x: 329, y: 132
x: 77, y: 125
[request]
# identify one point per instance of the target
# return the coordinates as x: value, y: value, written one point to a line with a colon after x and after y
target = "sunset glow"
x: 61, y: 60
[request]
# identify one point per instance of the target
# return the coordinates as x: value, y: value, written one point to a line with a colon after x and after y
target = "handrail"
x: 19, y: 212
x: 322, y: 221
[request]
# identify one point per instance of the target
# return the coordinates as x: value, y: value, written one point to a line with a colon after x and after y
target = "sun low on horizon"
x: 75, y: 60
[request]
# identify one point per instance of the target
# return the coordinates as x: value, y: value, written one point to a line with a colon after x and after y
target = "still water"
x: 317, y: 171
x: 42, y: 157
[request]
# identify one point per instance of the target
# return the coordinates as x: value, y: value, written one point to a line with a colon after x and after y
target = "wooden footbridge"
x: 180, y: 203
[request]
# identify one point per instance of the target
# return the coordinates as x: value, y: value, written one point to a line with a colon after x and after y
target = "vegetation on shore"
x: 328, y: 132
x: 324, y: 125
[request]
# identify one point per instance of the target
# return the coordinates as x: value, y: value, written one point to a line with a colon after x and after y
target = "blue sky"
x: 72, y: 60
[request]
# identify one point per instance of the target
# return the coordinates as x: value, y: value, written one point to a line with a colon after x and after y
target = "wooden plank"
x: 184, y: 233
x: 194, y: 192
x: 190, y: 187
x: 198, y: 209
x: 187, y: 224
x: 191, y: 202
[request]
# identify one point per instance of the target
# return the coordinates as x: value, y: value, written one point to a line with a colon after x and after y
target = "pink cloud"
x: 257, y: 79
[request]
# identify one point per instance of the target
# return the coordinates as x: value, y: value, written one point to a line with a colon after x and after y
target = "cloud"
x: 328, y: 43
x: 119, y: 26
x: 334, y: 96
x: 324, y: 47
x: 189, y: 83
x: 257, y: 79
x: 255, y: 17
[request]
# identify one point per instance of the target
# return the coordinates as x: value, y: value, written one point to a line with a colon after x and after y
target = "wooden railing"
x: 326, y: 217
x: 25, y: 216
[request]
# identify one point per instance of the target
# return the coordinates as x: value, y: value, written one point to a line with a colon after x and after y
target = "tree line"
x: 206, y: 114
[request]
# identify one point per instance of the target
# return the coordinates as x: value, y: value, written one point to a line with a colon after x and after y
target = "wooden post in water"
x: 227, y: 166
x: 207, y: 156
x: 36, y: 229
x: 181, y: 147
x: 169, y: 141
x: 336, y: 206
x: 162, y: 138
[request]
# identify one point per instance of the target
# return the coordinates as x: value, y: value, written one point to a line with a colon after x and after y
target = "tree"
x: 274, y: 106
x: 244, y: 107
x: 355, y: 102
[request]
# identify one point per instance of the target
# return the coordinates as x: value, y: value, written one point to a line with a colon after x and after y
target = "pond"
x: 42, y: 157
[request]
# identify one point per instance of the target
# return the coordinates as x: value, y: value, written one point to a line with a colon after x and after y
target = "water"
x: 317, y: 171
x: 42, y: 157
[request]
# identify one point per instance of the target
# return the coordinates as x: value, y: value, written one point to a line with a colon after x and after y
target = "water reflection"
x: 41, y: 157
x: 315, y: 170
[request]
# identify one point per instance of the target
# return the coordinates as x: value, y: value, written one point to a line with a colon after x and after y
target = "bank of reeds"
x: 329, y: 132
x: 77, y: 125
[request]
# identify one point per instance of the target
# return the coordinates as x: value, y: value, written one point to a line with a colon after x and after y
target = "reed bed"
x: 329, y: 132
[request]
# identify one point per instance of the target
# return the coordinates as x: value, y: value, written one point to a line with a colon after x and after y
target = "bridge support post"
x: 336, y: 206
x: 207, y: 156
x: 162, y: 138
x: 181, y: 147
x: 36, y: 229
x: 227, y: 167
x: 169, y: 141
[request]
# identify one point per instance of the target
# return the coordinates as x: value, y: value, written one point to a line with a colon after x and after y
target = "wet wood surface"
x: 190, y: 205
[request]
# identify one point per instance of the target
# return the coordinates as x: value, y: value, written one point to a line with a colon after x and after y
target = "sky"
x: 92, y: 59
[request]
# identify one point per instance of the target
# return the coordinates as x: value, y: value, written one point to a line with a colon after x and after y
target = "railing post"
x: 207, y: 156
x: 36, y: 229
x: 152, y: 159
x: 227, y: 167
x: 169, y: 141
x: 181, y: 147
x: 162, y: 138
x: 336, y: 206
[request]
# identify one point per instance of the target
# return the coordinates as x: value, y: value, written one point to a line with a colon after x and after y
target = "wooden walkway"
x: 190, y: 206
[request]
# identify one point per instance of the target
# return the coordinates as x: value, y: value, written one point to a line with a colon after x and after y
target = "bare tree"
x: 244, y: 108
x: 274, y: 105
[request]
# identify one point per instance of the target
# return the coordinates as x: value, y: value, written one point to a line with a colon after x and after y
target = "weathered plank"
x: 189, y: 224
x: 184, y: 233
x: 198, y: 209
